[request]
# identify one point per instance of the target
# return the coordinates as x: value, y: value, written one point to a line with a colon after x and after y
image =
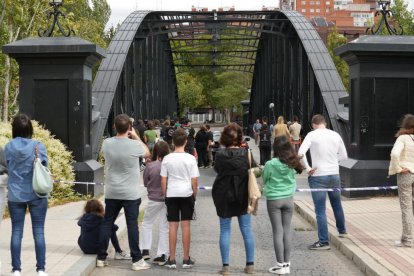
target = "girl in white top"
x: 402, y: 164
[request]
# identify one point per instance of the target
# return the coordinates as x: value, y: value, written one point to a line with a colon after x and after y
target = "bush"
x: 60, y: 161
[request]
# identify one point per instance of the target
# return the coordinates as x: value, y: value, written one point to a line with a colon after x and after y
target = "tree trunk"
x: 7, y: 80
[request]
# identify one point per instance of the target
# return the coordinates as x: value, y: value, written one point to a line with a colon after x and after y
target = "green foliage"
x: 404, y: 16
x: 190, y: 92
x: 60, y: 161
x: 334, y: 41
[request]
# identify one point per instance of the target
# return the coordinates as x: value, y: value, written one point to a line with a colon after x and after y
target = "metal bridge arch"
x: 289, y: 63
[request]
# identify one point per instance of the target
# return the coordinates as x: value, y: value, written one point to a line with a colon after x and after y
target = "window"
x: 318, y: 10
x: 303, y: 2
x: 328, y: 10
x: 312, y: 2
x: 318, y: 2
x: 328, y: 3
x: 303, y: 10
x: 312, y: 10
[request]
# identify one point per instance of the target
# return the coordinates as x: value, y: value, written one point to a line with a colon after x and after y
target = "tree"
x: 404, y: 16
x: 334, y: 41
x: 190, y: 92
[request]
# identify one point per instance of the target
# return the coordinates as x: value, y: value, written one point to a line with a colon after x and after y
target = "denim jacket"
x: 19, y: 156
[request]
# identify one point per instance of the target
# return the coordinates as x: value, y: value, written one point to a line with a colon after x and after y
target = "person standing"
x: 279, y: 188
x: 402, y: 164
x: 256, y: 130
x: 201, y: 145
x: 122, y: 188
x: 230, y: 194
x: 179, y: 184
x: 19, y: 154
x: 326, y: 149
x: 281, y: 128
x: 3, y: 184
x: 265, y: 144
x: 210, y: 144
x: 156, y: 207
x: 294, y: 130
x: 150, y: 136
x: 141, y: 128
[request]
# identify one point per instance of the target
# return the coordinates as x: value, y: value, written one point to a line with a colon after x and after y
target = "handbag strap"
x: 249, y: 156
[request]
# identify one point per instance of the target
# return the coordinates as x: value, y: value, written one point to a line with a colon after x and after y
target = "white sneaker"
x: 277, y: 269
x: 286, y: 266
x: 122, y: 256
x: 101, y: 263
x: 16, y: 273
x: 41, y: 273
x: 401, y: 244
x: 140, y: 265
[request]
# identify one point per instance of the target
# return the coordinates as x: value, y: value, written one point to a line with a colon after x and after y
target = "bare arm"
x: 164, y: 185
x: 133, y: 134
x: 194, y: 184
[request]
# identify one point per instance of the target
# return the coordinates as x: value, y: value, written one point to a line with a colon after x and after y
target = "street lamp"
x: 386, y: 14
x: 55, y: 4
x: 272, y: 107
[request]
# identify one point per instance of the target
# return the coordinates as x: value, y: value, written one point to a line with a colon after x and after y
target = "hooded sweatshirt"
x: 19, y: 154
x: 279, y: 180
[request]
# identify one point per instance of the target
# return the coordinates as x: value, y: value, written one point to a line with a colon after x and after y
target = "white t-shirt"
x: 326, y: 148
x: 179, y: 168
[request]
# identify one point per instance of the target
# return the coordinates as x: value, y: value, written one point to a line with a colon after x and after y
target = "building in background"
x: 350, y: 17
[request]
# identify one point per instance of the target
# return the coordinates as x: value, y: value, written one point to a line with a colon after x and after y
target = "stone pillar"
x: 55, y: 89
x: 381, y: 73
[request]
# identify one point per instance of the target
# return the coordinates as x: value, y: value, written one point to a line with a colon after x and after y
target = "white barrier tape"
x: 380, y: 188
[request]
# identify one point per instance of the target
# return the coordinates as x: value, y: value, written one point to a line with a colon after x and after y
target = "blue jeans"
x: 319, y: 200
x: 112, y: 209
x: 37, y: 210
x: 245, y: 229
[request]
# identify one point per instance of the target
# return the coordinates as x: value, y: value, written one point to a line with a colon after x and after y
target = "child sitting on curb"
x: 90, y: 223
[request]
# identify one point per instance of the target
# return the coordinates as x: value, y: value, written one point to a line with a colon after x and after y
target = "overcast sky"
x: 122, y: 8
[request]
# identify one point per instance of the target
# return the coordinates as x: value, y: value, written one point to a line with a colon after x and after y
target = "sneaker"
x: 171, y: 264
x: 122, y: 256
x: 140, y: 265
x: 402, y: 244
x: 343, y: 235
x: 249, y: 269
x: 161, y: 260
x: 16, y: 273
x: 146, y: 255
x: 279, y: 268
x: 319, y: 246
x: 188, y: 263
x: 41, y: 273
x: 101, y: 263
x: 225, y: 270
x: 287, y: 267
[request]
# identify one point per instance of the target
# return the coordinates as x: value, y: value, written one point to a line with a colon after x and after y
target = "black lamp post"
x: 55, y: 4
x: 386, y: 14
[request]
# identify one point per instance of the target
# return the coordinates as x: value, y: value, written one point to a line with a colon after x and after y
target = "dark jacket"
x: 265, y: 138
x: 88, y: 240
x: 201, y: 140
x: 230, y: 189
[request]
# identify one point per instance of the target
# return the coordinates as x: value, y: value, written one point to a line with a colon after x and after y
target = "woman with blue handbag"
x: 20, y: 157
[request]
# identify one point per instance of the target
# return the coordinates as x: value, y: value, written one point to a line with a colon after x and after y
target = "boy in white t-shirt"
x: 179, y: 174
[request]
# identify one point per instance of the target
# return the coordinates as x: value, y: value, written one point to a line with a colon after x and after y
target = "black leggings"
x: 202, y: 157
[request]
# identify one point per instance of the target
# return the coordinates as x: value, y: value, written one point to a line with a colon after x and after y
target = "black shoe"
x: 146, y: 255
x: 319, y: 246
x: 188, y: 263
x: 161, y: 260
x: 171, y: 264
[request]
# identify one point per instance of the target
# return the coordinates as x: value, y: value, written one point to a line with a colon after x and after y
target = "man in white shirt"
x: 179, y: 172
x: 326, y: 149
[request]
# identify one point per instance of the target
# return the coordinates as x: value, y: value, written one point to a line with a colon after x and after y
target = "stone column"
x: 55, y: 89
x: 381, y: 73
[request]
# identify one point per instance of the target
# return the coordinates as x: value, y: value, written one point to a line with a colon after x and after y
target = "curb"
x: 365, y: 262
x: 87, y: 263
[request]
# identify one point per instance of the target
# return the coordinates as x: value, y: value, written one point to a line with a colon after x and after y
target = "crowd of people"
x: 171, y: 179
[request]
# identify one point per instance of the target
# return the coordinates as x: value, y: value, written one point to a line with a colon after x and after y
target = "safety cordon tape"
x: 380, y: 188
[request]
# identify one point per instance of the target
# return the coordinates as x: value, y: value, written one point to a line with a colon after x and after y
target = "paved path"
x: 205, y: 249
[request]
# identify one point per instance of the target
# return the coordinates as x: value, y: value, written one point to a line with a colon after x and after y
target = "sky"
x: 122, y: 8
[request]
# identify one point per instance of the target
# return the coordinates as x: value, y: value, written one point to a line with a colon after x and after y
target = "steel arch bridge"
x: 289, y: 64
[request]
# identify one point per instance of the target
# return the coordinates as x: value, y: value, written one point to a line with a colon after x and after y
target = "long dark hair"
x: 283, y: 150
x: 94, y: 206
x: 161, y: 149
x: 407, y: 125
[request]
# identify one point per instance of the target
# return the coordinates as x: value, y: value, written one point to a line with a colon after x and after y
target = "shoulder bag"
x: 42, y: 178
x: 254, y: 193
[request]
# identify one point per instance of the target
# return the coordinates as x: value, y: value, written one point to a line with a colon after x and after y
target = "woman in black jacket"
x: 265, y: 145
x: 201, y: 145
x: 230, y: 194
